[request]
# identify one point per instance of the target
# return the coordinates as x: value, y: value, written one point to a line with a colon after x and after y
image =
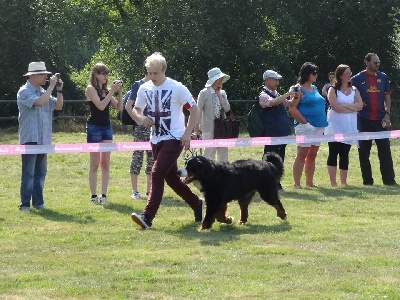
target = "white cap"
x: 271, y: 74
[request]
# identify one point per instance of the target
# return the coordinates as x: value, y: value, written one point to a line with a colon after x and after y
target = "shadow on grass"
x: 120, y: 208
x: 321, y: 194
x: 226, y: 232
x: 53, y: 215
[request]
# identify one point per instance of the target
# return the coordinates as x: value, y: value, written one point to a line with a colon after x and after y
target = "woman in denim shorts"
x: 98, y: 126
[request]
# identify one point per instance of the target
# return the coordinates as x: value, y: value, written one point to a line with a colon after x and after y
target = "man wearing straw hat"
x: 36, y: 107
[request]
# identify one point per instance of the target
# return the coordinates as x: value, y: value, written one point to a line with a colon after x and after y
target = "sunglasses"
x: 314, y: 73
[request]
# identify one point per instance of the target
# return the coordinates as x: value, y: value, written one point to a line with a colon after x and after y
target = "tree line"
x: 243, y: 38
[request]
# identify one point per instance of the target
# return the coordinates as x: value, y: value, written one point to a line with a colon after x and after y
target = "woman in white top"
x: 345, y: 101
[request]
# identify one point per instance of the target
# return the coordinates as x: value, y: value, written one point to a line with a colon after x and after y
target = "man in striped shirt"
x: 35, y: 118
x: 375, y: 116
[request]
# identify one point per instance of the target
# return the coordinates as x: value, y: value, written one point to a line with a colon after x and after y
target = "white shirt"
x: 165, y: 107
x: 343, y: 122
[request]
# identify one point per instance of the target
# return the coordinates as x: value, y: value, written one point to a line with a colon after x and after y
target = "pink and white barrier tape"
x: 129, y: 146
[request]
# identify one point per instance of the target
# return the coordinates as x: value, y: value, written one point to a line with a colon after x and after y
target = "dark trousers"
x: 278, y: 149
x: 338, y: 149
x: 384, y: 154
x: 165, y: 168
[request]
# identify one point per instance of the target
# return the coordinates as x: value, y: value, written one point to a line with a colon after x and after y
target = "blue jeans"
x: 98, y: 134
x: 34, y: 169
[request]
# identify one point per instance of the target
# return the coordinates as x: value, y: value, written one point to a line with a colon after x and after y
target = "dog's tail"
x: 276, y: 164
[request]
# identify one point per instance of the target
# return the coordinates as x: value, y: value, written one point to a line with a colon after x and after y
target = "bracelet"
x: 388, y: 113
x: 59, y: 91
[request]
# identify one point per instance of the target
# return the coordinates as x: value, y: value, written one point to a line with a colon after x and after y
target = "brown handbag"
x: 226, y: 128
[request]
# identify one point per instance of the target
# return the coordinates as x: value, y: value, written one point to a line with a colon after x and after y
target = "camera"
x: 296, y: 91
x: 119, y: 82
x: 58, y: 79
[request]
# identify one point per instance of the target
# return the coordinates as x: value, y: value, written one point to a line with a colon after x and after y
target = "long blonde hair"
x: 99, y: 68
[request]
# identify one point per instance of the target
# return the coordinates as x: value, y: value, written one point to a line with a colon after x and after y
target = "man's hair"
x: 156, y: 60
x: 368, y: 56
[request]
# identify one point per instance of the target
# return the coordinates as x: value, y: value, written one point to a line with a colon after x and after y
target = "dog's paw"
x: 201, y: 229
x: 226, y: 220
x: 282, y: 215
x: 205, y: 226
x: 241, y: 222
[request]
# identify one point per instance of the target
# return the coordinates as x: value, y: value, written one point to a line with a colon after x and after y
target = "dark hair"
x: 331, y: 73
x: 368, y: 56
x: 339, y: 72
x: 305, y: 71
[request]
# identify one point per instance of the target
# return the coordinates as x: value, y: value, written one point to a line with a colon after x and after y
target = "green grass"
x: 336, y: 244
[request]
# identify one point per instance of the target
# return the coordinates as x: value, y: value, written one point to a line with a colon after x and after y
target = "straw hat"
x: 37, y: 67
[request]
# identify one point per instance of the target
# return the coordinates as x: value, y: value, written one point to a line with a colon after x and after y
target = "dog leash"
x: 188, y: 154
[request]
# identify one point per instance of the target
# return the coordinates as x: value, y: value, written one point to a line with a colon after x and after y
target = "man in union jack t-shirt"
x: 164, y: 100
x: 375, y: 116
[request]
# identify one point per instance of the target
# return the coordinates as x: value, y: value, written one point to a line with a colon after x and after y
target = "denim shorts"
x: 98, y: 134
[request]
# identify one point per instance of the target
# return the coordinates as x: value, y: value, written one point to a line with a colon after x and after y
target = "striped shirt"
x: 35, y: 123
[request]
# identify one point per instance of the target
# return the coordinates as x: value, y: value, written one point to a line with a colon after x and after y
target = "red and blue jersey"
x: 373, y: 89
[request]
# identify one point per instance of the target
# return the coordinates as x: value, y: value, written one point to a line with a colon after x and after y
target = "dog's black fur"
x: 223, y: 182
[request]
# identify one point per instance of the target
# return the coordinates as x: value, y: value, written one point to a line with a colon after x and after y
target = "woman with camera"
x: 98, y: 126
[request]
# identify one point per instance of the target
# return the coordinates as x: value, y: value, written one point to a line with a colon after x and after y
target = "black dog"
x: 223, y: 182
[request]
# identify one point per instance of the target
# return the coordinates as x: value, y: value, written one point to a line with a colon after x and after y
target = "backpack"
x: 255, y: 120
x: 123, y: 116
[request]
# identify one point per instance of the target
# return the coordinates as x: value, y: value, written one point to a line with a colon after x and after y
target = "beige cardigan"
x: 205, y: 102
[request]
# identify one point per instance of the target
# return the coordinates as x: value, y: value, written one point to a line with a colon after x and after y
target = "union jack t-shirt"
x: 164, y: 105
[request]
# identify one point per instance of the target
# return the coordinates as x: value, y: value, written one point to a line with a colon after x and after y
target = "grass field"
x: 336, y: 244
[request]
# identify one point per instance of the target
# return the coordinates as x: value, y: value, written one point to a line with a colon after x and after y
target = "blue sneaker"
x: 24, y: 208
x: 141, y: 220
x: 40, y: 207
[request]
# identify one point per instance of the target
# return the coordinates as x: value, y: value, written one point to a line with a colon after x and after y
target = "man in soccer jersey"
x: 375, y: 116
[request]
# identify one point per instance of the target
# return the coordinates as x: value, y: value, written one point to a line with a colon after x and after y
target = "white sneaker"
x: 94, y: 200
x: 135, y: 195
x: 102, y: 200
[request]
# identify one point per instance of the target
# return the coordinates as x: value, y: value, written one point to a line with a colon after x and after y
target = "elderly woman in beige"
x: 210, y: 101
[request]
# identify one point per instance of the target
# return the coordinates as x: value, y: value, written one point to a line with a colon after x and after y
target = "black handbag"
x: 226, y: 128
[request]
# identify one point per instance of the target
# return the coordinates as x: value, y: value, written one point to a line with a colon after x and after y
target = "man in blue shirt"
x: 35, y: 119
x: 375, y: 116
